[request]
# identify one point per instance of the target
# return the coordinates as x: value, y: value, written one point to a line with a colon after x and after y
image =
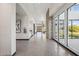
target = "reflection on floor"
x: 38, y: 45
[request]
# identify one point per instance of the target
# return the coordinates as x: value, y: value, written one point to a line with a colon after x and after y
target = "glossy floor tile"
x: 38, y: 45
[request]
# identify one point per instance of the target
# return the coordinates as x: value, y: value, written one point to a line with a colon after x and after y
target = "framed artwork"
x: 18, y: 26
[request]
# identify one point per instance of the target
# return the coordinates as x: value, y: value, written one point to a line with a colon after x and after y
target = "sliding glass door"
x: 66, y: 27
x: 56, y: 28
x: 73, y: 27
x: 61, y: 28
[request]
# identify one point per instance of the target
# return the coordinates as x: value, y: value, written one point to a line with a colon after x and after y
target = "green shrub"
x: 74, y: 28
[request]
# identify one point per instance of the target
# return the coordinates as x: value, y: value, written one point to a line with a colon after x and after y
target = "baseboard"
x: 22, y: 39
x: 14, y: 53
x: 66, y: 47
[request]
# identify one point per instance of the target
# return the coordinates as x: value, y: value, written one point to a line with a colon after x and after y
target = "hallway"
x: 38, y: 45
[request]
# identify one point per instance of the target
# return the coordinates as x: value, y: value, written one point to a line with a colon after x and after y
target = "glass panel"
x: 73, y: 27
x: 56, y: 28
x: 61, y: 28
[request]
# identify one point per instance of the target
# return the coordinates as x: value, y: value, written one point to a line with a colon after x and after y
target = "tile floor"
x: 38, y: 45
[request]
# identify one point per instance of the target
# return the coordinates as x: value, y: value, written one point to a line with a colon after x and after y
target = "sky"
x: 73, y: 22
x: 75, y: 8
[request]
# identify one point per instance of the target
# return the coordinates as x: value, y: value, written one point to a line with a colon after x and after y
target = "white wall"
x: 13, y: 28
x: 7, y: 33
x: 22, y: 35
x: 28, y: 24
x: 49, y: 24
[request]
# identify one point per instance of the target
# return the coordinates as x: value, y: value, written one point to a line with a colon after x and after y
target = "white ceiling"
x: 55, y: 7
x: 38, y: 10
x: 19, y: 11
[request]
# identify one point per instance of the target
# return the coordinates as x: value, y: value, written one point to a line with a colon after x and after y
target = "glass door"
x: 61, y: 28
x: 56, y: 28
x: 73, y: 27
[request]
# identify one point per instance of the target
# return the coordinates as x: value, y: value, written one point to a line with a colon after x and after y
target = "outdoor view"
x: 56, y: 27
x: 73, y: 29
x: 73, y: 22
x: 61, y: 26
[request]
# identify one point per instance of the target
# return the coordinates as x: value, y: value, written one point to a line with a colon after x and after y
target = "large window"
x: 73, y: 30
x: 73, y: 27
x: 66, y: 27
x: 61, y: 27
x: 56, y: 28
